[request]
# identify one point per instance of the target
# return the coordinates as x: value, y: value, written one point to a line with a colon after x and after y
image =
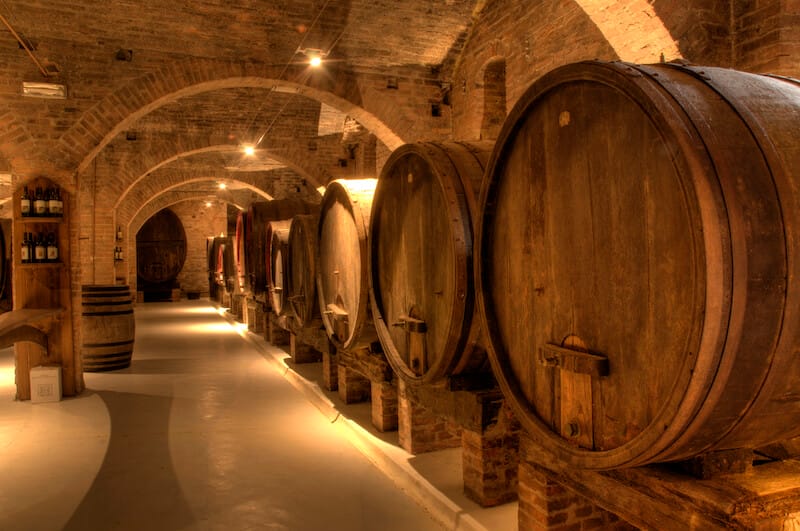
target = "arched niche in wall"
x: 494, y: 98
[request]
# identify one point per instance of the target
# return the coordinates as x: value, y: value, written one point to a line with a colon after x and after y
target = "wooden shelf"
x: 41, y: 219
x: 37, y: 265
x: 39, y: 285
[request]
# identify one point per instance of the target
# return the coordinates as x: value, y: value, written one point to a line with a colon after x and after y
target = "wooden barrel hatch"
x: 637, y: 269
x: 107, y: 327
x: 421, y: 278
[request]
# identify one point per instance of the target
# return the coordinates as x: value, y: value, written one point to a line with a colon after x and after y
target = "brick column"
x: 330, y: 369
x: 353, y: 387
x: 276, y: 335
x: 300, y: 352
x: 420, y: 429
x: 237, y: 308
x: 255, y: 316
x: 384, y: 406
x: 545, y: 504
x: 490, y: 461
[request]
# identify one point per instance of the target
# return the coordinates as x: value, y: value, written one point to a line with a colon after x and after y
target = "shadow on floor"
x: 136, y: 486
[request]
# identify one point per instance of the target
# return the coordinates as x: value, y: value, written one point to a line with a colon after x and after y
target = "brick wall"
x: 535, y: 37
x: 544, y: 504
x: 199, y: 223
x: 767, y: 36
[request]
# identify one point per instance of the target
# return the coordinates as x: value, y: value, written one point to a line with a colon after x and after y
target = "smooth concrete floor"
x: 202, y: 432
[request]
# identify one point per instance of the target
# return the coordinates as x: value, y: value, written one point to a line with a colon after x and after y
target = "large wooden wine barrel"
x: 257, y: 244
x: 240, y: 239
x: 301, y: 278
x: 421, y: 278
x: 160, y: 251
x: 278, y: 232
x: 225, y: 265
x: 107, y: 327
x: 342, y: 273
x: 215, y: 249
x: 638, y: 271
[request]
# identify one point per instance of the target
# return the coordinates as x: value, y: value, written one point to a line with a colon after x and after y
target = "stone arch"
x: 164, y: 200
x: 138, y: 201
x: 114, y: 114
x: 288, y: 154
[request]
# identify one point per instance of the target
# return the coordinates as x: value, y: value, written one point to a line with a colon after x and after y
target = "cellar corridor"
x: 203, y: 431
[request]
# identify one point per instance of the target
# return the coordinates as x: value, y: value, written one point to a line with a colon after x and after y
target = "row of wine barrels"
x: 256, y: 253
x: 221, y: 266
x: 278, y: 234
x: 107, y: 327
x: 637, y: 266
x: 342, y: 275
x: 301, y: 277
x: 240, y: 248
x: 421, y: 241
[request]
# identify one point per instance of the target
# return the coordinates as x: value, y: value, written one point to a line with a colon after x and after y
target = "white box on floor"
x: 46, y: 384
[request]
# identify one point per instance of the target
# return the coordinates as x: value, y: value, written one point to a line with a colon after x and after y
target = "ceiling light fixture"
x: 249, y: 150
x: 315, y: 56
x: 53, y: 91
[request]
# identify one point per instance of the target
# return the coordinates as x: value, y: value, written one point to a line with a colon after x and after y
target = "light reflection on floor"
x: 7, y: 372
x: 199, y: 433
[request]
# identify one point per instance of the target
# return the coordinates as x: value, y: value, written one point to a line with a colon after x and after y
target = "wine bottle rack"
x: 43, y: 285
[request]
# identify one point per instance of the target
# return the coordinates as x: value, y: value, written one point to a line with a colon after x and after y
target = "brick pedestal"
x: 490, y: 461
x: 302, y: 353
x: 330, y: 371
x: 545, y: 504
x: 276, y: 335
x: 353, y: 387
x: 224, y: 299
x: 420, y: 429
x: 384, y: 406
x: 237, y: 308
x: 255, y: 317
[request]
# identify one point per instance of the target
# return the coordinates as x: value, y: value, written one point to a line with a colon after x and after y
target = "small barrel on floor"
x: 107, y: 327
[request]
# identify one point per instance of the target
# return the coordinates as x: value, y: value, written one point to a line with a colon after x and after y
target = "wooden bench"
x: 29, y: 324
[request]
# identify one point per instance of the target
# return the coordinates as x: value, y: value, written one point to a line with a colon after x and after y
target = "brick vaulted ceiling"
x: 169, y: 86
x: 165, y: 92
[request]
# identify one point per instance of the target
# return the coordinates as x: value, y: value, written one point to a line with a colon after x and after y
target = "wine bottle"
x: 25, y: 202
x: 59, y: 202
x: 52, y: 248
x: 39, y: 249
x: 39, y: 204
x: 52, y: 205
x: 25, y: 250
